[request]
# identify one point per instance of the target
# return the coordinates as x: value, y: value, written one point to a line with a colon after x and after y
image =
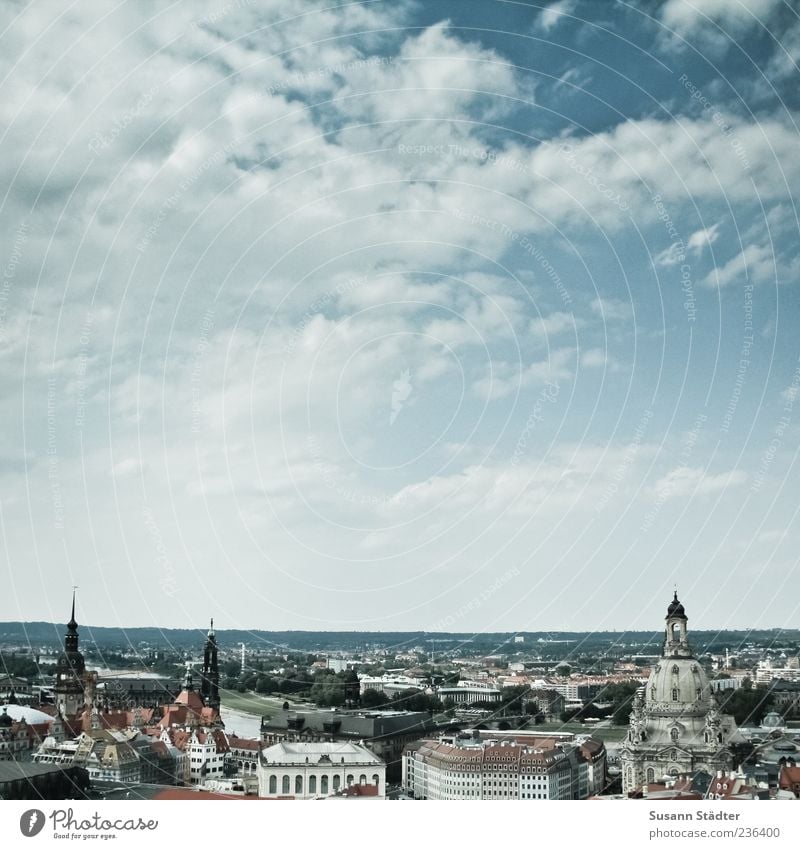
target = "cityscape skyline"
x: 392, y: 314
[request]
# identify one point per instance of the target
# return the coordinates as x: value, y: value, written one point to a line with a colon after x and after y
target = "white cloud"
x: 701, y: 238
x: 685, y: 482
x: 687, y: 15
x: 554, y: 13
x: 612, y: 309
x: 755, y: 263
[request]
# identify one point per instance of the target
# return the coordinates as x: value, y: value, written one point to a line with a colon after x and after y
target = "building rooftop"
x: 336, y: 753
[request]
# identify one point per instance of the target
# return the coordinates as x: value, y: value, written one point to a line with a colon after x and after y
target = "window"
x: 337, y: 782
x: 674, y: 694
x: 675, y: 670
x: 323, y: 785
x: 285, y: 785
x: 312, y: 784
x: 349, y: 780
x: 298, y: 784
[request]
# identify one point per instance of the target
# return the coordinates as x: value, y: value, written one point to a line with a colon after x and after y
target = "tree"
x: 373, y: 698
x: 748, y: 706
x: 621, y: 698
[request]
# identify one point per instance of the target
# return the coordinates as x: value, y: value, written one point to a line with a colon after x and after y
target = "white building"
x: 466, y: 692
x: 317, y: 770
x: 505, y: 769
x: 390, y: 684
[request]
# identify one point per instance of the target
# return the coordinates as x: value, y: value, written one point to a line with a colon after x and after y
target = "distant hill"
x: 42, y: 634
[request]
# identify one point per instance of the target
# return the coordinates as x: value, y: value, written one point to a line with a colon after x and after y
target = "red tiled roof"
x: 176, y: 793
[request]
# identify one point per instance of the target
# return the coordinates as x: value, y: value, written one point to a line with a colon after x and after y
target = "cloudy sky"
x: 400, y: 315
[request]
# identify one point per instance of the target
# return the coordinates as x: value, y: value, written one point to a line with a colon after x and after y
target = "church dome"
x: 675, y: 608
x: 678, y: 685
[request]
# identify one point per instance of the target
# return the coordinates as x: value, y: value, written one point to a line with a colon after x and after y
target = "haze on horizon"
x: 392, y: 314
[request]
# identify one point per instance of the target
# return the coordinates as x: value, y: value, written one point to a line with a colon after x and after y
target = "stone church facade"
x: 676, y: 726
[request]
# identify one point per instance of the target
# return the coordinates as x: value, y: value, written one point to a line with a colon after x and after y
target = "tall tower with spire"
x: 676, y: 726
x: 209, y: 688
x: 69, y: 689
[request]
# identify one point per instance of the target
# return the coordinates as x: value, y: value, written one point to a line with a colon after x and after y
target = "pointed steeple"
x: 72, y: 624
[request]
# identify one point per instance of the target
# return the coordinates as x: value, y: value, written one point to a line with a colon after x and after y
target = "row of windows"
x: 312, y: 783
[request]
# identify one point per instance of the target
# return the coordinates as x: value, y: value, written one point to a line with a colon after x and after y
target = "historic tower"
x: 676, y: 726
x: 70, y: 671
x: 209, y: 688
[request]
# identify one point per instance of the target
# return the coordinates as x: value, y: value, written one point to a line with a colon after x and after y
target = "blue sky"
x: 385, y: 315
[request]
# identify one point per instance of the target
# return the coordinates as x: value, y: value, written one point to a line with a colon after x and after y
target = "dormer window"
x: 674, y: 694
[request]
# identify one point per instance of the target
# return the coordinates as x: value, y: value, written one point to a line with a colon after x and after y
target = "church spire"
x: 72, y: 624
x: 210, y: 679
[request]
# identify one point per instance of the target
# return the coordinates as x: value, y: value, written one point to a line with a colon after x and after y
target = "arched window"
x: 362, y: 779
x: 298, y: 784
x: 337, y: 782
x: 651, y: 775
x: 349, y: 780
x: 312, y: 785
x: 674, y: 694
x: 285, y: 785
x: 323, y: 785
x: 674, y: 734
x: 273, y: 784
x: 376, y: 779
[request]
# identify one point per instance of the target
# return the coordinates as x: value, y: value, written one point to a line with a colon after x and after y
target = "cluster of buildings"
x: 497, y: 766
x: 105, y: 733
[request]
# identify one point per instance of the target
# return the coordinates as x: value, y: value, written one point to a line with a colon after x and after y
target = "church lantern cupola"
x: 676, y: 642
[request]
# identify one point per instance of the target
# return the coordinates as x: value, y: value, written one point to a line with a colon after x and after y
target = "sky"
x: 465, y: 316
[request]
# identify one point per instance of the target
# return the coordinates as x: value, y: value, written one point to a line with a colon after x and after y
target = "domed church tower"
x: 676, y: 726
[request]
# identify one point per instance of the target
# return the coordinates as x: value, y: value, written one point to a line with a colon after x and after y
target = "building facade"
x: 317, y: 770
x: 386, y: 733
x: 522, y: 767
x: 676, y: 726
